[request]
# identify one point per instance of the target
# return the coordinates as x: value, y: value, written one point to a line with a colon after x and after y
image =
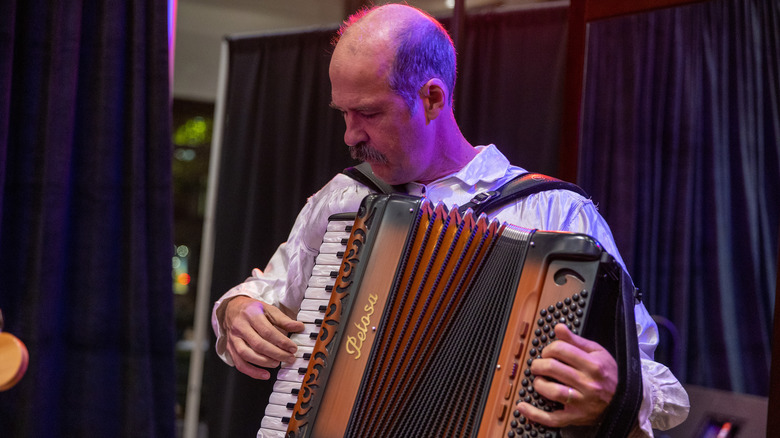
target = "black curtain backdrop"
x: 85, y: 217
x: 282, y: 142
x: 680, y: 146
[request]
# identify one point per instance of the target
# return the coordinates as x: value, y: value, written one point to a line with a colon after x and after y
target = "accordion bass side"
x: 435, y: 318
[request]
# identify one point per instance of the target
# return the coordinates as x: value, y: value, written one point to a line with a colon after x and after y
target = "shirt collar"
x: 488, y: 165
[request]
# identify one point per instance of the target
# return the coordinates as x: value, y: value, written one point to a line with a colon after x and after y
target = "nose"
x: 354, y: 132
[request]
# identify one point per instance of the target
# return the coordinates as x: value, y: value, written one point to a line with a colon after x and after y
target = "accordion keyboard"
x: 289, y: 378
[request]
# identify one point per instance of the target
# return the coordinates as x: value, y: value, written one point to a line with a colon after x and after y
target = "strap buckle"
x: 483, y: 197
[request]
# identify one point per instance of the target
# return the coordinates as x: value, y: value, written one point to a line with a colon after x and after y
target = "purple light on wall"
x: 171, y: 38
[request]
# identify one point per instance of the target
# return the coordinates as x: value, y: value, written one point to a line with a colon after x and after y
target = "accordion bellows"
x: 434, y: 319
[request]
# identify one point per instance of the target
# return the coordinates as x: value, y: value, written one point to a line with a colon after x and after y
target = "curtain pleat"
x: 680, y: 144
x: 86, y: 217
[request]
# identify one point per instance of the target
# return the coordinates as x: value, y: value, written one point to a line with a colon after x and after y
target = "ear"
x: 434, y: 97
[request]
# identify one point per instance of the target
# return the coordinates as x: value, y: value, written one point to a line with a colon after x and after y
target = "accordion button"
x: 502, y: 413
x: 509, y: 390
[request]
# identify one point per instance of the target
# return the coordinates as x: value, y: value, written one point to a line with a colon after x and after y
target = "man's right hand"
x: 256, y: 335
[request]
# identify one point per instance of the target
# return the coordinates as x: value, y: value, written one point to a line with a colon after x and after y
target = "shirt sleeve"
x: 665, y: 403
x: 283, y: 280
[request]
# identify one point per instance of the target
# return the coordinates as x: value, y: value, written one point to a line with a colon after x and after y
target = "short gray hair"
x: 425, y: 51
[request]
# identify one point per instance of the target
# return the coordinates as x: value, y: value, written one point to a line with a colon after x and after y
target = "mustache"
x: 363, y: 152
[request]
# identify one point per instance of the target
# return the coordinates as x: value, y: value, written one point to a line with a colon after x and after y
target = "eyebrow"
x: 359, y: 109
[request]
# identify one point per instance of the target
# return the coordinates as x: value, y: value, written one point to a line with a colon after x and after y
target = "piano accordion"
x: 424, y: 322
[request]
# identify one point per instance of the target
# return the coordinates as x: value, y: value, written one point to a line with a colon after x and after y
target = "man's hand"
x: 257, y: 335
x: 585, y: 377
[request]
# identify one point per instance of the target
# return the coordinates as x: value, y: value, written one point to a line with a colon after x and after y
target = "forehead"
x: 358, y: 78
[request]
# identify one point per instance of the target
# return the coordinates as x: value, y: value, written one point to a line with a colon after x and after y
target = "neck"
x: 455, y: 155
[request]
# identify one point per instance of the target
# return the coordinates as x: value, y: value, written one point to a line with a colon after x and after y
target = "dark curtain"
x: 85, y: 217
x: 510, y: 83
x: 680, y: 145
x: 281, y: 143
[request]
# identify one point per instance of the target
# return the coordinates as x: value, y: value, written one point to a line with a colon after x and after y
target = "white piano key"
x: 314, y: 304
x: 282, y: 399
x: 332, y: 248
x: 334, y: 237
x: 324, y: 270
x: 317, y: 293
x: 321, y: 281
x: 272, y: 424
x: 278, y: 411
x: 284, y: 387
x: 269, y: 432
x: 303, y: 339
x: 297, y: 364
x: 328, y: 259
x: 290, y: 375
x: 309, y: 316
x: 303, y: 350
x: 310, y: 329
x: 339, y: 225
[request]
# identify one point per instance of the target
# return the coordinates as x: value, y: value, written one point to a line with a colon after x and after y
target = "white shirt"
x: 665, y: 403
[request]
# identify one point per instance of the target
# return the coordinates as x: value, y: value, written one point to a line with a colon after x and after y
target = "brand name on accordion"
x: 355, y: 343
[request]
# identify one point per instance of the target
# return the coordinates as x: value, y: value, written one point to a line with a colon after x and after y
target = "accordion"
x: 424, y: 322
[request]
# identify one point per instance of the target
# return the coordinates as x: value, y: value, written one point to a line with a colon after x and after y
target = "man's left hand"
x: 576, y: 372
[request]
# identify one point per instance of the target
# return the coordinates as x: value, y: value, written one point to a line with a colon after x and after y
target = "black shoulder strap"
x: 364, y: 175
x: 521, y: 186
x: 620, y: 416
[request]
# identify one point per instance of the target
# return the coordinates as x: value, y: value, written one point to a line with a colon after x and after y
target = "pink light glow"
x: 171, y: 38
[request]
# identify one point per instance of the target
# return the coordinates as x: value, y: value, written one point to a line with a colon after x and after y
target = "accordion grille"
x: 438, y: 349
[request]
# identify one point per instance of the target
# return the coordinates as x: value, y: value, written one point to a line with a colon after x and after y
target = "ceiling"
x: 202, y: 24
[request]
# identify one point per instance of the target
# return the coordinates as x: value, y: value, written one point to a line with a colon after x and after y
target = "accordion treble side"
x: 435, y: 318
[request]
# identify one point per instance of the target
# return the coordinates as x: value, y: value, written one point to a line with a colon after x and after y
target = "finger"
x: 255, y: 338
x: 280, y: 319
x: 557, y: 418
x: 556, y: 391
x: 573, y: 351
x: 272, y: 340
x: 588, y: 358
x: 563, y: 333
x: 555, y: 365
x: 247, y: 362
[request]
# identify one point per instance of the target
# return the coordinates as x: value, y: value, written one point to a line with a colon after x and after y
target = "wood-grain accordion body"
x: 434, y: 320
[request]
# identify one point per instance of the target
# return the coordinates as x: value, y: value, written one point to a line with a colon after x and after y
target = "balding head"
x: 408, y: 43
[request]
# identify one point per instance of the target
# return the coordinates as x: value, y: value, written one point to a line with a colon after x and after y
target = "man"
x: 393, y: 75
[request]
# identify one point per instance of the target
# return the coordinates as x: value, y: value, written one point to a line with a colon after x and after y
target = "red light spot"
x: 183, y: 278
